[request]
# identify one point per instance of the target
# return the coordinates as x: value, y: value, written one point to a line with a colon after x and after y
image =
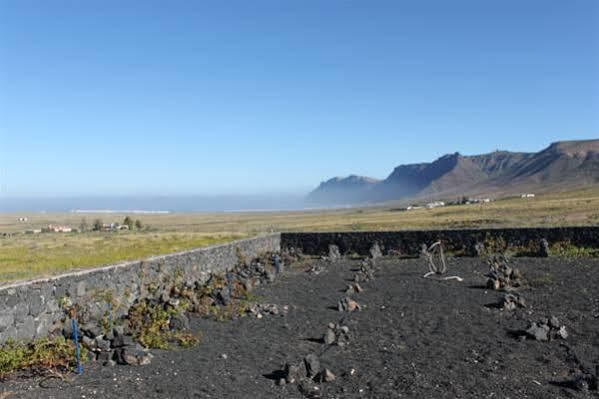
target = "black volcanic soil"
x: 415, y: 338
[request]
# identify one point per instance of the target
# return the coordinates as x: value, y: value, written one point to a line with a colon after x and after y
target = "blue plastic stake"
x: 77, y: 349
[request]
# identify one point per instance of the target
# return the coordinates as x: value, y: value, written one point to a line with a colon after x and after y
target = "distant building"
x: 527, y: 196
x: 33, y: 231
x: 435, y: 204
x: 23, y: 219
x: 478, y: 200
x: 56, y: 229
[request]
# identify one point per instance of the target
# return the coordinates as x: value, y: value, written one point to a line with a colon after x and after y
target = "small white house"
x: 435, y: 204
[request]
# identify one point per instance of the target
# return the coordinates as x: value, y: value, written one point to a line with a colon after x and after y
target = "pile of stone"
x: 334, y: 253
x: 587, y: 381
x: 253, y: 274
x: 375, y: 251
x: 309, y: 369
x: 366, y: 272
x: 261, y: 309
x: 479, y: 249
x: 353, y: 288
x: 336, y: 335
x: 346, y: 304
x: 546, y: 329
x: 112, y: 347
x: 511, y: 302
x: 501, y: 275
x: 315, y: 269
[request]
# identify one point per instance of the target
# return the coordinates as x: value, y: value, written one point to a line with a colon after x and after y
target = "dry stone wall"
x: 32, y: 309
x: 463, y: 242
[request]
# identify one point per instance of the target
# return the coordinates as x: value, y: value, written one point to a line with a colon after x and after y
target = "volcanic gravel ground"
x: 414, y: 337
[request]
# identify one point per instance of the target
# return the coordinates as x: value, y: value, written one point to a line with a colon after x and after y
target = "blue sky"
x: 245, y: 97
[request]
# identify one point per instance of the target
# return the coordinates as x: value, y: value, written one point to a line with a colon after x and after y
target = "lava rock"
x: 179, y: 322
x: 88, y: 342
x: 92, y: 330
x: 326, y: 375
x: 544, y: 248
x: 292, y: 373
x: 329, y: 337
x: 334, y: 253
x: 375, y: 251
x: 312, y: 364
x: 562, y: 333
x: 540, y: 332
x: 102, y: 344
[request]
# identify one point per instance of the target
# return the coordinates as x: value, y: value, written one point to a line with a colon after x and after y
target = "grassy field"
x: 24, y: 256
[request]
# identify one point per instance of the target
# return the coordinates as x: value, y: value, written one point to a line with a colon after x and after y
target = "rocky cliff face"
x: 562, y: 165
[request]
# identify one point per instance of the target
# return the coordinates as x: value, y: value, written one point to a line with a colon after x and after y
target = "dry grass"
x: 25, y: 256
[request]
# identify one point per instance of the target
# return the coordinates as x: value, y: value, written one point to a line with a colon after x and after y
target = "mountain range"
x: 563, y: 165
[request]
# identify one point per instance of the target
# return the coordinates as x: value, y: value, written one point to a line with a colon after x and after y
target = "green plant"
x: 98, y: 225
x: 44, y: 353
x: 150, y: 324
x: 128, y: 222
x: 568, y: 250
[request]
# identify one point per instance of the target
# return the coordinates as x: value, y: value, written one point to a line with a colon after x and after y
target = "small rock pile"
x: 546, y: 329
x: 512, y: 302
x: 334, y: 253
x: 479, y: 249
x: 346, y: 304
x: 501, y: 276
x: 261, y: 309
x: 366, y: 272
x: 336, y: 335
x: 309, y: 369
x: 315, y: 270
x: 353, y: 288
x: 375, y: 251
x: 113, y: 347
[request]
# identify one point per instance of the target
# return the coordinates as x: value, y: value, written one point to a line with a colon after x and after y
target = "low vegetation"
x: 28, y: 256
x: 42, y: 354
x: 25, y: 256
x: 150, y: 325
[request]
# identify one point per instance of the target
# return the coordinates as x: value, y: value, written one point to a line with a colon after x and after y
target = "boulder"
x: 329, y: 337
x: 540, y: 332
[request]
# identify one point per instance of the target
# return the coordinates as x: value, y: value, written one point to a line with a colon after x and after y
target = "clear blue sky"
x: 220, y: 97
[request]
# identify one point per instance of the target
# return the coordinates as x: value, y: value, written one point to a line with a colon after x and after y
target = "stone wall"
x: 32, y: 309
x: 458, y: 241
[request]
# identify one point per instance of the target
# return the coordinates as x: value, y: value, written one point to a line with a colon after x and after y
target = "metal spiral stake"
x: 75, y: 335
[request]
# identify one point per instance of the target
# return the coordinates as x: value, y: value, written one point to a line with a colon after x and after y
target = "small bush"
x: 41, y: 353
x: 150, y: 325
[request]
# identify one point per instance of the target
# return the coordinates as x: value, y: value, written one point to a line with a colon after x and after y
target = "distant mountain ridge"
x: 562, y: 165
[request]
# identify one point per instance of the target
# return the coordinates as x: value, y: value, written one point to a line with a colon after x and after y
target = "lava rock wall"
x: 462, y: 242
x: 32, y: 309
